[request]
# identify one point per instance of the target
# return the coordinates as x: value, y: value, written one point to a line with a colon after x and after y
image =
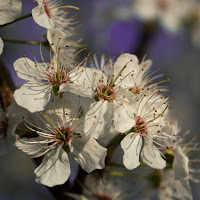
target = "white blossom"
x: 143, y: 130
x: 100, y: 82
x: 43, y: 79
x: 59, y: 136
x: 51, y: 14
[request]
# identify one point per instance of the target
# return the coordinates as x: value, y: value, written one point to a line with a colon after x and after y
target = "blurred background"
x: 111, y: 28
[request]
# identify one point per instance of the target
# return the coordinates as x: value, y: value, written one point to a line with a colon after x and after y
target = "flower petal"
x: 131, y: 146
x: 54, y: 169
x: 151, y: 156
x: 33, y: 96
x: 10, y: 10
x: 75, y: 88
x: 98, y: 119
x: 41, y: 18
x: 131, y: 63
x: 26, y: 69
x: 31, y: 146
x: 181, y: 170
x: 123, y: 118
x: 88, y: 153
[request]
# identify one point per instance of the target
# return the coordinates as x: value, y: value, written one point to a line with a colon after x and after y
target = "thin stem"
x: 24, y: 42
x: 18, y: 19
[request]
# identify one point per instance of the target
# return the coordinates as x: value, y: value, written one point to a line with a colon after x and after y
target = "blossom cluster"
x: 82, y: 110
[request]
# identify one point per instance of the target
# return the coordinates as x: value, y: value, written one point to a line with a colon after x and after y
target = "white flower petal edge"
x: 32, y: 96
x: 181, y: 170
x: 10, y: 10
x: 1, y: 46
x: 131, y: 145
x: 88, y: 153
x: 54, y: 169
x: 130, y: 63
x: 151, y: 156
x: 40, y: 16
x: 32, y: 149
x: 26, y: 69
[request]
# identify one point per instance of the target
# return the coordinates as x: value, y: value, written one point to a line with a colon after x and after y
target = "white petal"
x: 41, y: 18
x: 88, y: 153
x: 131, y: 145
x: 65, y: 42
x: 27, y: 70
x: 151, y: 156
x: 183, y: 189
x: 75, y: 88
x: 98, y: 119
x: 54, y: 169
x: 10, y: 10
x: 123, y: 118
x: 33, y: 96
x: 1, y: 46
x: 89, y: 78
x: 180, y: 165
x: 33, y: 149
x: 132, y: 66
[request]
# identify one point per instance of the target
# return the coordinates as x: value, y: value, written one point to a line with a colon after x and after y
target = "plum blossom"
x: 137, y: 77
x: 44, y: 79
x: 100, y: 82
x: 9, y: 10
x: 51, y: 14
x: 143, y: 130
x: 59, y: 136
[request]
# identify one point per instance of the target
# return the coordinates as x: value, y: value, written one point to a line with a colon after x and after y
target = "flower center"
x: 101, y: 196
x: 56, y: 79
x: 105, y: 92
x: 135, y: 90
x: 46, y: 8
x: 140, y: 127
x: 66, y: 136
